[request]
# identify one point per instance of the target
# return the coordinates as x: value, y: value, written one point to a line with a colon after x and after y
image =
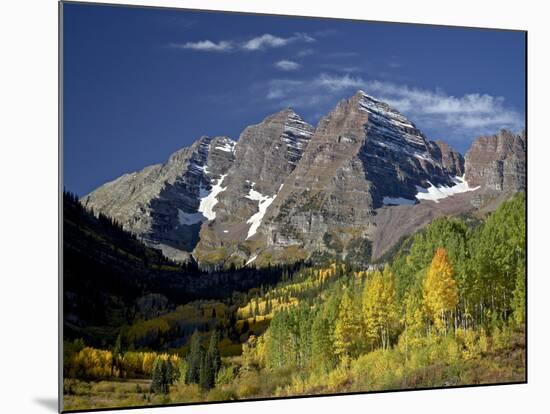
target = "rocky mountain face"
x: 165, y: 204
x: 452, y: 161
x: 266, y: 154
x: 285, y: 191
x: 362, y: 156
x: 497, y: 162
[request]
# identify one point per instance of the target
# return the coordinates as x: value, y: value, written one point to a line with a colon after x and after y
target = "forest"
x: 446, y: 308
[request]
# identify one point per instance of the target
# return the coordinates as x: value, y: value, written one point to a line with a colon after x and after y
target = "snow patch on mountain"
x: 263, y: 203
x: 209, y: 198
x: 433, y: 193
x: 227, y: 146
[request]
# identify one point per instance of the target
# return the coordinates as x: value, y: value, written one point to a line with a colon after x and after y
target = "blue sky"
x: 142, y: 83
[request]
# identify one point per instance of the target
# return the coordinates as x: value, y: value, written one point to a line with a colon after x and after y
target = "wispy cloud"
x: 265, y: 41
x: 338, y: 83
x: 205, y: 46
x: 305, y: 52
x: 458, y: 117
x: 470, y: 111
x: 269, y: 41
x: 287, y: 65
x: 341, y: 68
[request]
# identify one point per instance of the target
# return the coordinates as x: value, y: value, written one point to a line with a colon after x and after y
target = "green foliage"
x: 165, y: 373
x: 448, y: 310
x: 519, y: 298
x: 322, y: 347
x: 194, y: 360
x: 203, y: 365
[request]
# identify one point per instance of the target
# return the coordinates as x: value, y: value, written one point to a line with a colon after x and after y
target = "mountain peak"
x: 283, y: 114
x: 362, y: 95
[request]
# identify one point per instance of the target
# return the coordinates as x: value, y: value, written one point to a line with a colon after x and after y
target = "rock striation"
x: 286, y: 191
x: 497, y: 162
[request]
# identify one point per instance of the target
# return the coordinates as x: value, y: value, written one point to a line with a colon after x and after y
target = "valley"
x: 354, y: 256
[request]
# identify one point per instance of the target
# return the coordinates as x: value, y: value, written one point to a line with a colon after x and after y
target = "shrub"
x: 103, y: 386
x: 221, y: 394
x: 185, y: 393
x: 338, y: 378
x: 226, y: 375
x: 249, y: 384
x: 468, y: 342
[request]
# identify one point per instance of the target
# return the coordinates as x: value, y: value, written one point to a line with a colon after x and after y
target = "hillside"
x: 447, y: 308
x: 111, y: 278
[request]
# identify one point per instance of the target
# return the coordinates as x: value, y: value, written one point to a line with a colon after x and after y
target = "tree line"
x: 456, y: 278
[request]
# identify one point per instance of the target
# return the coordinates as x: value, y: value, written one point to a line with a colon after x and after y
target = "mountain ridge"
x: 287, y: 190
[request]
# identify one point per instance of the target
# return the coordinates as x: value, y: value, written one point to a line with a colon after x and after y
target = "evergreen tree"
x: 194, y: 360
x: 214, y: 353
x: 205, y: 372
x: 172, y: 372
x: 160, y: 381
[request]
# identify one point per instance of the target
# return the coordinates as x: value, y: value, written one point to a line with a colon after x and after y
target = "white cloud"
x: 338, y: 83
x: 456, y: 117
x: 470, y: 111
x: 262, y: 42
x: 287, y: 65
x: 270, y: 41
x: 206, y: 46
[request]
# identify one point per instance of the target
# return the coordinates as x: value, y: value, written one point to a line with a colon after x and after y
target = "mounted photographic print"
x: 266, y: 206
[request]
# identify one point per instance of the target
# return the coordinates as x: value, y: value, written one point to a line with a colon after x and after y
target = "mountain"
x: 166, y: 204
x: 493, y: 170
x: 362, y: 156
x: 265, y: 155
x: 285, y: 191
x: 497, y: 163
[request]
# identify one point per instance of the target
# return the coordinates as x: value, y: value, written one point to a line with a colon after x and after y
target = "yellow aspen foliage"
x: 347, y: 328
x: 413, y: 321
x: 148, y: 361
x: 379, y: 307
x: 440, y: 292
x: 483, y: 341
